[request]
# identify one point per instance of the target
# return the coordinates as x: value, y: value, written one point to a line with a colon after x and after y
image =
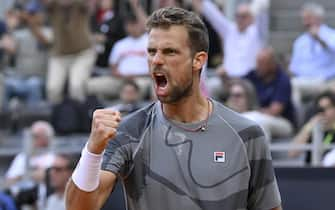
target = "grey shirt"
x: 163, y: 166
x: 31, y: 56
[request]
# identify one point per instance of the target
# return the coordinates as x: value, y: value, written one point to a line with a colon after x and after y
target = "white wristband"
x: 86, y: 174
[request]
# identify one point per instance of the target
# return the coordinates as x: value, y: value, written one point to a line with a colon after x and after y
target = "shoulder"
x: 122, y: 42
x: 327, y: 29
x: 283, y: 77
x: 21, y: 157
x: 132, y: 128
x: 301, y: 39
x: 135, y: 123
x: 244, y: 127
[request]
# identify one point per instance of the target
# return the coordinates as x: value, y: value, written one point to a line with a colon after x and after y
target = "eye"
x: 151, y: 51
x: 170, y: 51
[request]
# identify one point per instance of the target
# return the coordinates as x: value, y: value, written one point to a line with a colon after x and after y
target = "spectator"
x: 127, y: 60
x: 5, y: 5
x: 60, y: 172
x: 312, y: 63
x: 73, y: 56
x: 129, y: 98
x: 273, y: 90
x: 324, y: 116
x: 240, y: 41
x: 42, y: 134
x: 31, y: 55
x: 31, y: 164
x: 241, y: 96
x: 108, y: 28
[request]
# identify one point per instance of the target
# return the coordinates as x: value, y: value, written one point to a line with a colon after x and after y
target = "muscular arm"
x: 104, y: 125
x: 139, y: 12
x: 77, y: 199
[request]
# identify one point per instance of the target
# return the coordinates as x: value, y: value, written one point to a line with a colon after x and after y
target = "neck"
x: 191, y: 109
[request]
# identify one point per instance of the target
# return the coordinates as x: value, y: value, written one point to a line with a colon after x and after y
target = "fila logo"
x: 219, y: 157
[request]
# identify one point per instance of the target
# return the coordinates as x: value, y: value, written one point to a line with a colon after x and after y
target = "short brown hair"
x: 175, y: 16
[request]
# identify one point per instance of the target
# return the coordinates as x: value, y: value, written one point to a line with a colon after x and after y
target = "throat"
x: 187, y: 113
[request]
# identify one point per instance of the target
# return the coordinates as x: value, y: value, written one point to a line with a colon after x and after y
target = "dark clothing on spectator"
x: 6, y: 202
x: 71, y: 29
x: 277, y: 90
x: 112, y: 27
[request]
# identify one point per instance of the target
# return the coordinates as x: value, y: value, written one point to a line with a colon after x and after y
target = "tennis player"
x: 184, y: 151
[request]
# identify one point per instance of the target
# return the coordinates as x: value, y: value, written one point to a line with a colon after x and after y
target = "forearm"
x: 78, y: 199
x: 214, y: 16
x: 304, y: 134
x: 139, y: 12
x: 36, y: 31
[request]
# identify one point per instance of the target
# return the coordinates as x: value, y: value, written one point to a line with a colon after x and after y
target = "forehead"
x: 325, y: 101
x: 237, y: 87
x: 243, y: 9
x: 307, y: 13
x: 59, y: 160
x: 175, y: 36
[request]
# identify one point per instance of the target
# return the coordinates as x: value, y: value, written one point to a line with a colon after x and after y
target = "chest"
x: 202, y: 163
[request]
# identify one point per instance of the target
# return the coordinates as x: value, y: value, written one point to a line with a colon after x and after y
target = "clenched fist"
x: 104, y: 127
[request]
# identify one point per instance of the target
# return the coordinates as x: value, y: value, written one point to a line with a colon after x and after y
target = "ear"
x: 199, y: 60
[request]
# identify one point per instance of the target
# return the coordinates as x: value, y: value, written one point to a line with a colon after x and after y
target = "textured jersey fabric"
x: 163, y: 166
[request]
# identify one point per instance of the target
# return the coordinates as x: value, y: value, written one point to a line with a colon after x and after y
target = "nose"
x: 157, y: 59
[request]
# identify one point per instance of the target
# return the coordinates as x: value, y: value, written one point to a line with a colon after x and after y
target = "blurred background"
x: 271, y: 61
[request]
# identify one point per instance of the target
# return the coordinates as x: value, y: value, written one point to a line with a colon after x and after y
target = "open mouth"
x: 161, y: 80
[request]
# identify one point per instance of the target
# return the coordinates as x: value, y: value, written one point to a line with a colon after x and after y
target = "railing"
x: 317, y: 148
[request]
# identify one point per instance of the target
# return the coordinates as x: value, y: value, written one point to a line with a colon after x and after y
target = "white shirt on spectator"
x: 240, y: 48
x: 17, y: 167
x: 55, y: 202
x: 329, y: 159
x: 310, y: 59
x: 130, y: 55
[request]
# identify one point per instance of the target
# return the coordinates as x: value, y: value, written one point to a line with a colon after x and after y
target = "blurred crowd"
x: 73, y: 56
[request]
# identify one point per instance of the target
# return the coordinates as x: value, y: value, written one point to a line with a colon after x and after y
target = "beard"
x: 178, y: 93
